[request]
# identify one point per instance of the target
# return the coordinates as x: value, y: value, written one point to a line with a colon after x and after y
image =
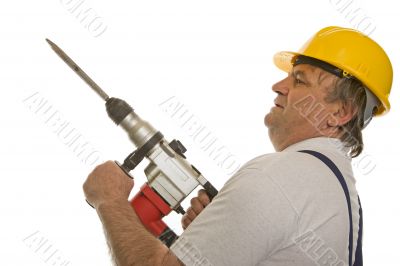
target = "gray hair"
x: 350, y: 91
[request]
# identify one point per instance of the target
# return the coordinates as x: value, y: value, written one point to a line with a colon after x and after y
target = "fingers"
x: 197, y: 205
x: 185, y: 222
x: 191, y: 213
x: 188, y: 218
x: 107, y: 182
x: 203, y: 197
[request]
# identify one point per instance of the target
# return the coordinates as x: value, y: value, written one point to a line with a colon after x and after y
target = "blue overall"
x: 358, y: 261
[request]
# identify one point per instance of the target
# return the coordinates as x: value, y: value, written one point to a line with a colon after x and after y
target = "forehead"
x: 307, y: 69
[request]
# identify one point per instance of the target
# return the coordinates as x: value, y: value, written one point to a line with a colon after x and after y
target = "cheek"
x: 303, y: 106
x: 294, y: 116
x: 298, y: 104
x: 315, y: 114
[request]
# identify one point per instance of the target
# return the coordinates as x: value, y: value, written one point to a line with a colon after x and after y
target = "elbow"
x: 165, y: 257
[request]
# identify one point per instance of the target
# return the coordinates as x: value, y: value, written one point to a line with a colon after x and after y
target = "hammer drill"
x: 170, y: 177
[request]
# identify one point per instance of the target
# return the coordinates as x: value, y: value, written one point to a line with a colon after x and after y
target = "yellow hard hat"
x: 354, y: 53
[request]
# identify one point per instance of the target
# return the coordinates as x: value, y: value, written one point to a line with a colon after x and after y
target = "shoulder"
x: 291, y: 177
x: 280, y: 163
x: 274, y: 178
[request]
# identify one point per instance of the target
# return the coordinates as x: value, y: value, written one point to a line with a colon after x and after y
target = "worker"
x: 297, y: 206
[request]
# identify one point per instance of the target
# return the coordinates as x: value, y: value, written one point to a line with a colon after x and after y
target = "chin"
x: 267, y: 120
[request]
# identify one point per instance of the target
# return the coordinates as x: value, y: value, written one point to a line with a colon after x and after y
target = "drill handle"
x: 210, y: 190
x: 124, y: 168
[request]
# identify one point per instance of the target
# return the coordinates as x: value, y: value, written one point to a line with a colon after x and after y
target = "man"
x: 286, y: 208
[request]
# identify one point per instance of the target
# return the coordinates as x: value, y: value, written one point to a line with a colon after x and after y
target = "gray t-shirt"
x: 285, y: 208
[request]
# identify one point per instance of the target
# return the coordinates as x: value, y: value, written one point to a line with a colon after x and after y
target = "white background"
x: 215, y: 57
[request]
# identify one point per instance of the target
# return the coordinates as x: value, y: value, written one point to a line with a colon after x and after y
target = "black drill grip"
x: 210, y: 190
x: 124, y: 168
x: 168, y: 237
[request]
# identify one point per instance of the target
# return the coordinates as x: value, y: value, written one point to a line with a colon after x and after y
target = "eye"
x: 298, y: 81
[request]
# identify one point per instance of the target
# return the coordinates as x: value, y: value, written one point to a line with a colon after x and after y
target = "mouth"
x: 278, y: 105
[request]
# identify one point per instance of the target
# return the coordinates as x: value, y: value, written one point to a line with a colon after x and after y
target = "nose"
x: 281, y: 87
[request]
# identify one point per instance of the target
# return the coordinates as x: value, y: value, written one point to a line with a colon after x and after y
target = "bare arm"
x: 107, y: 189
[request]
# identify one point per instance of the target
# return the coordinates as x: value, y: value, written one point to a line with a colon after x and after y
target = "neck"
x: 282, y: 143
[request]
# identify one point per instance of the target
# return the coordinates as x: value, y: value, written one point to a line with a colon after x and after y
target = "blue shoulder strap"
x: 358, y: 255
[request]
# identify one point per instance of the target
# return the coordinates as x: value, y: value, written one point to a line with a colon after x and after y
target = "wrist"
x: 111, y: 204
x: 112, y: 208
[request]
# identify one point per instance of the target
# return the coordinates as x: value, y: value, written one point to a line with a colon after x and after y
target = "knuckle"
x: 197, y: 208
x: 204, y: 199
x: 186, y: 220
x: 201, y: 192
x: 203, y: 195
x: 193, y: 201
x: 184, y: 217
x: 191, y: 214
x: 85, y: 186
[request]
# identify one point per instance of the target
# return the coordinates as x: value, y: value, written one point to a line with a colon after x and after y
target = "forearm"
x: 129, y: 241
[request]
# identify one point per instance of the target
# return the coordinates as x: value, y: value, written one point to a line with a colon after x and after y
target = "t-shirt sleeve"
x: 249, y: 219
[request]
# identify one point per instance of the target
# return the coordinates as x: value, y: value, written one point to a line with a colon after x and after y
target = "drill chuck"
x: 139, y: 131
x: 117, y: 109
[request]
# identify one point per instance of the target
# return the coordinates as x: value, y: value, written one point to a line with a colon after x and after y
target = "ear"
x: 343, y: 113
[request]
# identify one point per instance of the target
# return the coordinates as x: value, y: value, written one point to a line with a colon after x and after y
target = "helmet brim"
x: 284, y: 60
